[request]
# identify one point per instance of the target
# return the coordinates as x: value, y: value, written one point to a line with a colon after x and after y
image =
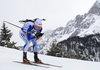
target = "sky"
x: 56, y: 12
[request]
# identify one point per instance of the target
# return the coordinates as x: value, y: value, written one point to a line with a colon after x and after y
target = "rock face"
x: 95, y: 8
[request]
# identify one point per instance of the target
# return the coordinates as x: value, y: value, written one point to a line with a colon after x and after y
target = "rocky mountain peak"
x: 95, y: 8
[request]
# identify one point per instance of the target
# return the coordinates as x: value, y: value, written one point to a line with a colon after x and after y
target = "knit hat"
x: 38, y: 22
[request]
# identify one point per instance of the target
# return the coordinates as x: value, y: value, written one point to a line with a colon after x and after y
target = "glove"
x: 37, y: 39
x: 38, y: 35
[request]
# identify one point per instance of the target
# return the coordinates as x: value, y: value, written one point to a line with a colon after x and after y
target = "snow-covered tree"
x: 5, y: 36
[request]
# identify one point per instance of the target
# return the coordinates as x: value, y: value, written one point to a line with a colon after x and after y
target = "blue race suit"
x: 27, y: 34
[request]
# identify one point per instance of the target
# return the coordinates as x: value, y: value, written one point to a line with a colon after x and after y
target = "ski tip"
x: 47, y: 64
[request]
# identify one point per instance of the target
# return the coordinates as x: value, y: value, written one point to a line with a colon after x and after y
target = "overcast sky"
x: 56, y: 12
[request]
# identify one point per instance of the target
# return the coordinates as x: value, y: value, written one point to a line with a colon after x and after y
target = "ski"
x: 46, y: 64
x: 31, y: 64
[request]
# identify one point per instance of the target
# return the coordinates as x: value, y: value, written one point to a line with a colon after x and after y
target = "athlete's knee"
x: 25, y: 45
x: 35, y: 48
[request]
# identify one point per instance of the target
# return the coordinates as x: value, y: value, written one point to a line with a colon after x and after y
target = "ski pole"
x: 11, y: 24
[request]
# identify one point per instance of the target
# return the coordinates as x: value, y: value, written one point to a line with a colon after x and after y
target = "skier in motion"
x: 31, y: 32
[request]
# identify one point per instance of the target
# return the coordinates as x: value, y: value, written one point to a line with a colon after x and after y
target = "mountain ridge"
x: 82, y: 25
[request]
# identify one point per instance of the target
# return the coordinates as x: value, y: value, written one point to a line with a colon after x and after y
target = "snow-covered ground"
x: 7, y: 56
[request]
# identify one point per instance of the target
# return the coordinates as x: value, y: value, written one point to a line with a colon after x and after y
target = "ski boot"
x: 25, y: 58
x: 37, y: 60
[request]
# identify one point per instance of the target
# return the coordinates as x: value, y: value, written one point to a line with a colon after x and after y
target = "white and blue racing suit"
x: 27, y: 35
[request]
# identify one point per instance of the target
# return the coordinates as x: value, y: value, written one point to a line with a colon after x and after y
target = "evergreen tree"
x: 54, y: 50
x: 5, y: 36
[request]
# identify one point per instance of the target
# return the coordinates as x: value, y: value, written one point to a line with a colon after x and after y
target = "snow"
x: 93, y: 29
x: 7, y: 56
